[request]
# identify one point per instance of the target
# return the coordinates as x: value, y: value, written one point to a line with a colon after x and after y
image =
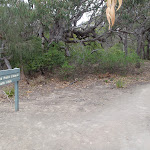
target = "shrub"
x: 67, y: 70
x: 45, y: 61
x: 111, y: 60
x: 119, y: 84
x: 10, y: 92
x: 48, y: 61
x: 82, y: 60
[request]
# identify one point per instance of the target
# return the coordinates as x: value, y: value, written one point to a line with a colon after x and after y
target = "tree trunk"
x: 2, y: 45
x: 140, y: 43
x: 0, y: 58
x: 67, y: 52
x: 125, y: 43
x: 41, y: 36
x: 7, y: 63
x: 148, y: 50
x: 144, y: 54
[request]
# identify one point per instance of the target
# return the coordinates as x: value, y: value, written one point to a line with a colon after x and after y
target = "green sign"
x: 11, y: 76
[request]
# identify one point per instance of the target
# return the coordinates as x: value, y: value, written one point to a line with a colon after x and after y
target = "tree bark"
x: 1, y: 51
x: 7, y: 63
x: 148, y: 50
x: 125, y: 43
x: 140, y: 42
x: 144, y: 54
x: 41, y: 36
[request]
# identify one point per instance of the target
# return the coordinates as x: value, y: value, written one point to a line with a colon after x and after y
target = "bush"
x: 48, y: 61
x: 67, y: 70
x: 24, y: 53
x: 111, y: 60
x: 83, y: 60
x: 32, y: 58
x: 119, y: 84
x: 116, y: 60
x: 10, y: 92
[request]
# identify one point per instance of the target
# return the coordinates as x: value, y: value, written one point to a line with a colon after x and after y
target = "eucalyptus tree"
x: 60, y: 19
x: 51, y: 20
x: 133, y: 23
x: 15, y: 28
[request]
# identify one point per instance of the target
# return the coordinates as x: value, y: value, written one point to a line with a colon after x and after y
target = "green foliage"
x: 83, y: 59
x: 47, y: 61
x: 10, y: 92
x: 67, y: 70
x: 24, y: 53
x: 32, y: 58
x: 112, y: 60
x: 106, y: 81
x: 81, y: 55
x: 115, y: 59
x: 66, y: 67
x: 120, y: 84
x: 20, y: 24
x: 15, y: 21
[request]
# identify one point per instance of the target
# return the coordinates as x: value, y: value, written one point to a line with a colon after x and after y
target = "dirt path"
x: 79, y: 119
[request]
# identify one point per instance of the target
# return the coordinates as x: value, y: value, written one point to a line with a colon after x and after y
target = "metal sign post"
x: 11, y: 76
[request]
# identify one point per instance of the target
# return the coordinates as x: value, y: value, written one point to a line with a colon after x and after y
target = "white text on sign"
x: 9, y: 77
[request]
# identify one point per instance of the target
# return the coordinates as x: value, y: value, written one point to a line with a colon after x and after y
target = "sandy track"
x: 96, y: 118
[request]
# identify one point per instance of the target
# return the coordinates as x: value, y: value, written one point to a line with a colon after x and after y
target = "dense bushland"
x: 45, y: 37
x: 83, y: 60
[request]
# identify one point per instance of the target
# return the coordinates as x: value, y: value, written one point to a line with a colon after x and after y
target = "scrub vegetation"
x: 45, y: 38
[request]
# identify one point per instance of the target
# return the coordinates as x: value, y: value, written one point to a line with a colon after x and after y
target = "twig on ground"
x: 76, y: 80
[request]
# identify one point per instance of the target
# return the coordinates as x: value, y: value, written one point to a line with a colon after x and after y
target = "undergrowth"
x: 120, y: 84
x: 91, y: 58
x: 10, y: 92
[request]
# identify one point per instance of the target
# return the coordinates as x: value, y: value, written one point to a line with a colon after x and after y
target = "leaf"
x: 110, y: 11
x: 120, y: 3
x: 109, y: 3
x: 115, y: 1
x: 108, y: 16
x: 112, y: 14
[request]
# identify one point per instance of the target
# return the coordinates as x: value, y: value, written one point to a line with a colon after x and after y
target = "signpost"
x: 11, y: 76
